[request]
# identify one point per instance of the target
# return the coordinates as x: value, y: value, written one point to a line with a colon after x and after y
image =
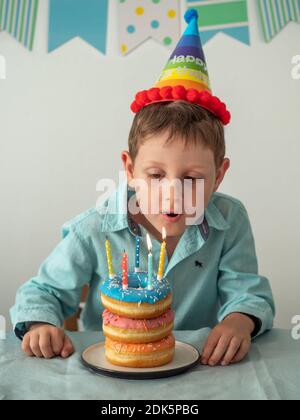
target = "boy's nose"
x: 174, y: 198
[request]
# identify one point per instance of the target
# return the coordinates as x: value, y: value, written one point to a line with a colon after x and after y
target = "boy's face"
x: 158, y: 161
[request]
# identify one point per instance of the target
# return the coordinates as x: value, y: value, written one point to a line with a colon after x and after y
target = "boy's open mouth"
x: 171, y: 217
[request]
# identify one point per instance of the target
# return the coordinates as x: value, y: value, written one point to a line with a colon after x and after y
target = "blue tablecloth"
x: 270, y: 372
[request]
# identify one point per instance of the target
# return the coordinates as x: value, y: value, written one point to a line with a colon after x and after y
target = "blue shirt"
x: 213, y: 270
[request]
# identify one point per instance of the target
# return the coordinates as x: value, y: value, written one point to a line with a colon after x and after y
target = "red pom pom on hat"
x: 135, y: 107
x: 226, y: 117
x: 204, y: 98
x: 192, y: 95
x: 179, y: 92
x: 142, y: 98
x: 166, y: 92
x: 222, y: 108
x: 154, y: 94
x: 215, y: 104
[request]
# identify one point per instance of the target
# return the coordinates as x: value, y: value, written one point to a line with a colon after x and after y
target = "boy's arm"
x: 54, y: 294
x: 240, y: 287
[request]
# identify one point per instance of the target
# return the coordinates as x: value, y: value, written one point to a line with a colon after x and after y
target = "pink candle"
x: 125, y: 271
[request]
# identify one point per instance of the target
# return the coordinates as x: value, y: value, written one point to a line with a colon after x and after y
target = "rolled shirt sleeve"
x: 240, y: 287
x: 54, y: 294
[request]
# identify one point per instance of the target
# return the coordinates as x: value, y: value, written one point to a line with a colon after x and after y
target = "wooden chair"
x: 71, y: 324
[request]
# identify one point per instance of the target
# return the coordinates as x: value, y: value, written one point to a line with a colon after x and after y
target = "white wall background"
x: 60, y: 132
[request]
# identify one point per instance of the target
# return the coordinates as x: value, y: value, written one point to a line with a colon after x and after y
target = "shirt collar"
x: 114, y: 210
x: 214, y: 216
x: 116, y: 215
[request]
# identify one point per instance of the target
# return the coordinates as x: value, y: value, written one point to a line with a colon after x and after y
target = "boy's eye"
x: 193, y: 178
x: 155, y: 176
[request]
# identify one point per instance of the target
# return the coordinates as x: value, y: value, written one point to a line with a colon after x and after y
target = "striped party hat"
x: 185, y: 76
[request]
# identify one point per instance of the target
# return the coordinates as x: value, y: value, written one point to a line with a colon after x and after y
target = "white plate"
x: 186, y: 357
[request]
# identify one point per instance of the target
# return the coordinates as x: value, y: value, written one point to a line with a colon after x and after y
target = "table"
x: 270, y: 372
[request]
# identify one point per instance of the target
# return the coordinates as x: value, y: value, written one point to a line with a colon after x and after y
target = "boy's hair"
x: 182, y: 119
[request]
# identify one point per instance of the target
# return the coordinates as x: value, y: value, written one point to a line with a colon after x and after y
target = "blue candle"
x: 150, y: 263
x: 137, y: 253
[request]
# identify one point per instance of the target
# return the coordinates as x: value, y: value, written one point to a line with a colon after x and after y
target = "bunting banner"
x: 229, y: 17
x: 18, y: 18
x: 140, y: 20
x: 86, y: 19
x: 276, y: 14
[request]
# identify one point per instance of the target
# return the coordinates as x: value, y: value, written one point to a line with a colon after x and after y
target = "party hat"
x: 185, y: 76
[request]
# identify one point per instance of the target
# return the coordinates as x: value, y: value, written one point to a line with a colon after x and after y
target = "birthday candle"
x: 125, y: 271
x: 137, y: 253
x: 109, y: 259
x: 150, y: 263
x: 161, y: 264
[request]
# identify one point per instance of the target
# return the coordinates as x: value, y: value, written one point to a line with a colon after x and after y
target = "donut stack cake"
x: 138, y: 322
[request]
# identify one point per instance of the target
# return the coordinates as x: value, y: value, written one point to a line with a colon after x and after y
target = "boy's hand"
x: 229, y: 342
x: 44, y: 340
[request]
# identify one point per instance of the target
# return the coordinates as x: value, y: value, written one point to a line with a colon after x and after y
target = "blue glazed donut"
x: 137, y: 291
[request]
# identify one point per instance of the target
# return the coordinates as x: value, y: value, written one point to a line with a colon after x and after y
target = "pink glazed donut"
x: 127, y: 330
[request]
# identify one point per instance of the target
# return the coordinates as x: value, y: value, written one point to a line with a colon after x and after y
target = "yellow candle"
x: 161, y: 264
x: 109, y: 259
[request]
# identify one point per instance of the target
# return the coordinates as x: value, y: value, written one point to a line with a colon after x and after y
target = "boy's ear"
x: 221, y: 173
x: 128, y: 164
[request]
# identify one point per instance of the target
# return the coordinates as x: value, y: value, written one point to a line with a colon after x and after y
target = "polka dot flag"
x: 139, y: 20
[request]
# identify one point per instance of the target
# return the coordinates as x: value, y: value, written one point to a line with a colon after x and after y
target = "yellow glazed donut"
x: 140, y: 355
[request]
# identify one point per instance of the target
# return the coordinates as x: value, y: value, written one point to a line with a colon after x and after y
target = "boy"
x: 177, y: 134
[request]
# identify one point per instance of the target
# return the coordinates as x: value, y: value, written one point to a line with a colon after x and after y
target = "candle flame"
x: 164, y: 233
x: 149, y: 243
